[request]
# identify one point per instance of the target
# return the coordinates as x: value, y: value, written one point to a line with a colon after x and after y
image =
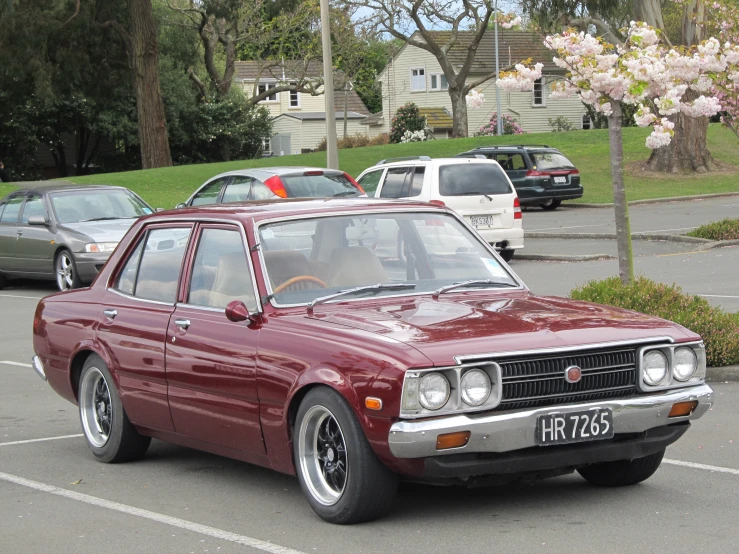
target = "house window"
x: 439, y: 82
x: 587, y: 123
x: 264, y: 87
x: 539, y: 98
x: 294, y: 97
x: 418, y: 79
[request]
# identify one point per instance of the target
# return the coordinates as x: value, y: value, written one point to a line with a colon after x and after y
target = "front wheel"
x: 624, y: 472
x: 107, y: 429
x: 67, y: 277
x: 339, y: 473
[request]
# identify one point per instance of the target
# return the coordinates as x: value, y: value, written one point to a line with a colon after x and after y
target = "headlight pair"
x: 95, y: 247
x: 672, y: 366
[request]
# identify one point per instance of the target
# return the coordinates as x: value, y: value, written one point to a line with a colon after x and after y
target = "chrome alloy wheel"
x: 322, y: 453
x: 64, y: 271
x: 95, y: 407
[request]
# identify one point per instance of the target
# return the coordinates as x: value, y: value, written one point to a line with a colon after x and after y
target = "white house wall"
x: 308, y: 102
x: 308, y: 134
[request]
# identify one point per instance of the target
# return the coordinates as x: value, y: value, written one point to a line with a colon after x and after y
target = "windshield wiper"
x: 347, y: 193
x: 104, y: 219
x: 473, y: 283
x: 367, y: 288
x: 476, y: 193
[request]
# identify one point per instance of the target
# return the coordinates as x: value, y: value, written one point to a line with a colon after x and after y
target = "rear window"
x: 319, y: 186
x: 550, y: 160
x: 472, y: 180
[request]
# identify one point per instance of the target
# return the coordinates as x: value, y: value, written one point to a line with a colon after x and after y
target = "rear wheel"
x: 551, y: 204
x: 507, y: 255
x: 107, y: 429
x: 624, y: 472
x: 339, y: 473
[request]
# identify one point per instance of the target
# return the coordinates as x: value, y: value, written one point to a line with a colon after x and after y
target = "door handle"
x: 110, y: 313
x: 182, y: 323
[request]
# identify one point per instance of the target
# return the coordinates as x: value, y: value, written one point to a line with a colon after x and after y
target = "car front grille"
x: 539, y: 380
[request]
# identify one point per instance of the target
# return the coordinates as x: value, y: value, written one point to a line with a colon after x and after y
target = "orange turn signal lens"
x: 452, y: 440
x: 682, y: 409
x: 372, y: 403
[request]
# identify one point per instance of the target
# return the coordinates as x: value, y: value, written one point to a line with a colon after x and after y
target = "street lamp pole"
x: 332, y: 153
x: 498, y: 116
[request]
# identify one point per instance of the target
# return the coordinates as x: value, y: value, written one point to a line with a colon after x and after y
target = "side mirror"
x: 159, y: 210
x: 181, y: 205
x: 37, y: 220
x: 237, y: 311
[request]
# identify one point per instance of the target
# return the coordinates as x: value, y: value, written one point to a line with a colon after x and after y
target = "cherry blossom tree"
x: 662, y: 81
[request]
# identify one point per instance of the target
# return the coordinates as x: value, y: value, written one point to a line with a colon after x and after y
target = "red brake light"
x: 275, y: 185
x: 517, y: 209
x: 437, y: 203
x: 313, y: 173
x: 574, y: 172
x: 353, y: 182
x: 535, y: 173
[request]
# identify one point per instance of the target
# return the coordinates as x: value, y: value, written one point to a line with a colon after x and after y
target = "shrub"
x: 354, y: 141
x: 510, y: 127
x: 407, y: 118
x: 719, y: 329
x: 728, y: 229
x: 560, y: 124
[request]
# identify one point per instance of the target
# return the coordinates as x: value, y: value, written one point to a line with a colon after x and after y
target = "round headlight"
x: 684, y: 363
x: 655, y: 367
x: 475, y: 387
x: 433, y: 391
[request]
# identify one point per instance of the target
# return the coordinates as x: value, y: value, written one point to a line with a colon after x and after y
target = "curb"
x: 722, y: 374
x: 655, y: 200
x: 564, y: 258
x: 612, y: 236
x: 720, y: 244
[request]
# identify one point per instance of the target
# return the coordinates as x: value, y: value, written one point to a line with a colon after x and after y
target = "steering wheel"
x: 299, y: 279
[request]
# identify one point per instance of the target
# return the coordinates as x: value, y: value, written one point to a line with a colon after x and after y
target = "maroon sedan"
x: 279, y: 334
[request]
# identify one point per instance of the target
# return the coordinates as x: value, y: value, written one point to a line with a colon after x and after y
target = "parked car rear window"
x: 79, y: 206
x: 472, y: 180
x: 550, y: 160
x: 319, y: 186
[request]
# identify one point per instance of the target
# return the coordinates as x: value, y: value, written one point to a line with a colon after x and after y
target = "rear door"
x: 403, y: 182
x: 479, y: 191
x: 211, y: 361
x: 35, y: 244
x: 514, y: 164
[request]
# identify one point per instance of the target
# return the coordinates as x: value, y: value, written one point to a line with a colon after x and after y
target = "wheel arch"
x: 77, y: 362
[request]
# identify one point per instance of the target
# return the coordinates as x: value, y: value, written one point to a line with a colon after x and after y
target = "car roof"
x: 434, y: 160
x: 494, y: 148
x: 50, y: 186
x: 275, y: 170
x: 287, y: 207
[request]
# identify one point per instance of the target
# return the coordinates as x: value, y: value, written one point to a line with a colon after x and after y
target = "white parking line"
x: 717, y: 296
x: 28, y: 441
x: 558, y: 228
x: 19, y: 296
x: 716, y: 469
x: 153, y: 516
x: 19, y: 364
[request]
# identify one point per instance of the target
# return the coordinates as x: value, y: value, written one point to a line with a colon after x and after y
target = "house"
x: 299, y: 118
x: 414, y: 75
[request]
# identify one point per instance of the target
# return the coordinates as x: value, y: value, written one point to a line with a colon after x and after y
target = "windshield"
x: 472, y: 179
x: 312, y: 258
x: 551, y: 160
x: 97, y: 205
x: 319, y: 186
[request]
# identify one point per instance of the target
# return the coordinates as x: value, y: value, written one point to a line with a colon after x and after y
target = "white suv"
x: 477, y: 189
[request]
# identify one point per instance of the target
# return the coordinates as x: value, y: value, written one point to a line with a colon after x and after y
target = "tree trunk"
x: 149, y: 105
x: 620, y: 205
x: 649, y: 11
x: 694, y: 13
x: 459, y: 113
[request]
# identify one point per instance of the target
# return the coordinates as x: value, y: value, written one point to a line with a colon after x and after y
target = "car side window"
x: 396, y: 182
x: 238, y: 190
x: 209, y: 193
x: 260, y: 191
x: 418, y: 175
x: 152, y: 272
x: 34, y: 206
x: 220, y: 272
x: 511, y: 162
x: 12, y: 210
x: 371, y: 180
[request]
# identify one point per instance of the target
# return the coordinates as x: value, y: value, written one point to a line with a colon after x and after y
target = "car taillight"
x: 313, y: 173
x: 574, y: 172
x: 353, y: 182
x: 517, y: 209
x: 535, y: 173
x: 437, y: 203
x: 275, y: 185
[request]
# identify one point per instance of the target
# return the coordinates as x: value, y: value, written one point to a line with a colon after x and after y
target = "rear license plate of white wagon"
x: 572, y: 427
x: 480, y: 220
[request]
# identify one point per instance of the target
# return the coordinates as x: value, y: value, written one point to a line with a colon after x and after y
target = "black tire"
x: 622, y: 473
x: 507, y: 254
x: 115, y: 440
x: 3, y: 281
x: 65, y: 271
x: 369, y: 487
x: 551, y: 205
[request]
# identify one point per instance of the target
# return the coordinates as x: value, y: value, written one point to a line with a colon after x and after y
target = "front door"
x: 211, y: 361
x: 35, y: 244
x: 9, y: 212
x: 134, y: 319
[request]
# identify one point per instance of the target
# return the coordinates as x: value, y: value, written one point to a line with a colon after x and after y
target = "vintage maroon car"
x: 274, y: 333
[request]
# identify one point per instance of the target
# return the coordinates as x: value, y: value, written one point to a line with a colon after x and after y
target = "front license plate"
x: 479, y: 221
x: 572, y: 427
x: 560, y: 180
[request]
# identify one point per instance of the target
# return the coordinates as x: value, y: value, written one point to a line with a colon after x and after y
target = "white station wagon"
x: 477, y: 189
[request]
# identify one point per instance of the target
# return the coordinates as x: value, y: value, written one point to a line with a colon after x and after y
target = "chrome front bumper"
x: 38, y: 367
x: 510, y: 431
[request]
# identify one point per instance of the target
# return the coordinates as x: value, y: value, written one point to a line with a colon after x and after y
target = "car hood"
x: 470, y: 325
x: 102, y: 231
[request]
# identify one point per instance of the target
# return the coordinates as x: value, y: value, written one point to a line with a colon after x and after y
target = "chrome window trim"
x: 131, y: 297
x: 202, y: 308
x: 669, y: 351
x: 257, y: 224
x: 563, y: 349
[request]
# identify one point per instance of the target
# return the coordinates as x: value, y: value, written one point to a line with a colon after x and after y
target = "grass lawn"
x: 587, y: 149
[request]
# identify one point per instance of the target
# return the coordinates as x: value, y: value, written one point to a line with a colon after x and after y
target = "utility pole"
x: 498, y: 116
x: 346, y: 105
x: 332, y: 153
